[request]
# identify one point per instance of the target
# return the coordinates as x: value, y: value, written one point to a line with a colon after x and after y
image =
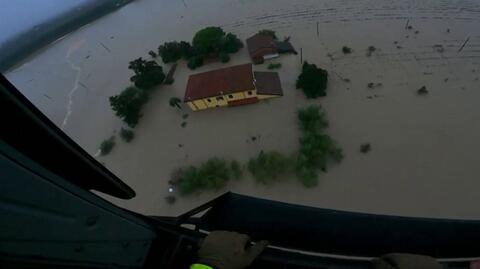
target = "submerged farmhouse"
x: 231, y: 86
x: 263, y: 47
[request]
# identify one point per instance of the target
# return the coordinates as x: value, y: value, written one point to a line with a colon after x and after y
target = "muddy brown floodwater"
x: 424, y: 149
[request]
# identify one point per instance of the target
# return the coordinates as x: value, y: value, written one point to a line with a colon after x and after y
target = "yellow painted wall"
x: 266, y: 96
x: 192, y: 106
x: 212, y: 102
x: 235, y: 96
x: 200, y: 104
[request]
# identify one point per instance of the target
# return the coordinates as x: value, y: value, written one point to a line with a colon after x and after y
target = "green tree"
x: 211, y: 175
x: 194, y: 62
x: 128, y: 104
x: 107, y: 145
x: 186, y: 49
x: 170, y: 51
x: 175, y: 102
x: 147, y: 73
x: 316, y: 148
x: 312, y: 80
x: 152, y: 54
x: 268, y: 166
x: 236, y: 169
x: 231, y: 44
x: 312, y: 119
x: 208, y: 40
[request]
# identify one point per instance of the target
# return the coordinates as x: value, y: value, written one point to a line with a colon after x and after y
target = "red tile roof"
x: 260, y: 45
x: 219, y: 82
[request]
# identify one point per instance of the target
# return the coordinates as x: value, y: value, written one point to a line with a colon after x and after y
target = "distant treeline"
x: 26, y: 43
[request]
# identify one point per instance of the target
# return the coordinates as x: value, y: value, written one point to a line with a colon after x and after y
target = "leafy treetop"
x: 128, y: 104
x: 147, y: 73
x: 312, y: 80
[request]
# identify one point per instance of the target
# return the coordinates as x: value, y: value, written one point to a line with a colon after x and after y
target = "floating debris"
x: 365, y: 148
x: 439, y: 48
x: 184, y: 124
x: 370, y: 50
x: 422, y: 91
x: 372, y: 85
x: 463, y: 45
x: 346, y: 50
x: 105, y: 47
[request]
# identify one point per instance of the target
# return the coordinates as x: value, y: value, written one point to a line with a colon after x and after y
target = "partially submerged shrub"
x: 175, y: 102
x: 236, y: 169
x: 268, y: 166
x: 128, y: 104
x: 152, y: 54
x: 346, y: 50
x: 365, y: 148
x: 210, y: 175
x: 372, y: 49
x: 147, y: 73
x: 312, y: 80
x: 316, y: 149
x: 127, y: 135
x: 422, y: 91
x: 194, y: 62
x: 107, y: 145
x: 312, y: 119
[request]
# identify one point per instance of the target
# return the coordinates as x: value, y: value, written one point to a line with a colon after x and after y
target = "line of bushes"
x: 210, y: 175
x: 269, y: 167
x: 316, y: 151
x: 209, y: 42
